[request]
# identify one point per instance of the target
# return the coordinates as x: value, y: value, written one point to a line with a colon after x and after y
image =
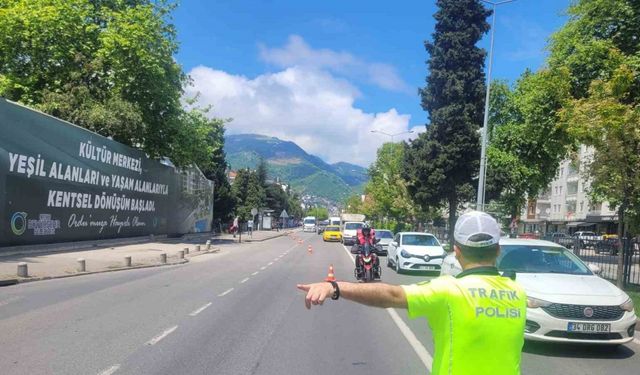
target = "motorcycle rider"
x: 366, y: 235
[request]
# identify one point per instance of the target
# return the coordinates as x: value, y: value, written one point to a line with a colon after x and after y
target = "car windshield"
x: 309, y: 221
x: 540, y: 259
x: 335, y: 222
x: 353, y: 225
x: 419, y: 240
x: 332, y: 229
x: 384, y: 234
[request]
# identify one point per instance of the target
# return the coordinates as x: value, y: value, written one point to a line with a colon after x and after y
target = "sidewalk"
x: 108, y: 258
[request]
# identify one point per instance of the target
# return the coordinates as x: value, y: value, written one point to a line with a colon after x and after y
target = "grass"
x: 635, y: 297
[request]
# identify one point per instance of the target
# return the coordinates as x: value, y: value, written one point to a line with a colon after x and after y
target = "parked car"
x: 586, y: 239
x: 567, y: 300
x: 321, y: 226
x: 350, y: 232
x: 560, y: 238
x: 332, y: 233
x: 385, y: 236
x: 415, y: 251
x: 609, y: 244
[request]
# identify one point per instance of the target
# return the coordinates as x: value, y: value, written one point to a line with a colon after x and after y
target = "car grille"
x: 584, y: 336
x: 566, y: 311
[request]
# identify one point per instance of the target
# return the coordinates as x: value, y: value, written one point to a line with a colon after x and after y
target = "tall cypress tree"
x: 440, y: 165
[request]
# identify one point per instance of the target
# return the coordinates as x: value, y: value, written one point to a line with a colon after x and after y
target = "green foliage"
x: 321, y: 213
x: 107, y: 66
x: 249, y: 193
x: 609, y: 122
x: 386, y: 187
x: 529, y: 141
x: 441, y: 163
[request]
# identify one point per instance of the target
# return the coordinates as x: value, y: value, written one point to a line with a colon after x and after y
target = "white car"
x: 567, y: 301
x: 415, y: 251
x: 350, y: 232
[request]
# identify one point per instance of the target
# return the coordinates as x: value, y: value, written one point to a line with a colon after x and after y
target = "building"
x: 565, y: 206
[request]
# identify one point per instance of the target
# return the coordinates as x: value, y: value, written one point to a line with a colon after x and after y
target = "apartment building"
x: 565, y: 206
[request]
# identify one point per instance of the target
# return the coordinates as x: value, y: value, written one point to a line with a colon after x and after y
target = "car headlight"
x: 405, y: 254
x: 627, y: 306
x: 534, y: 303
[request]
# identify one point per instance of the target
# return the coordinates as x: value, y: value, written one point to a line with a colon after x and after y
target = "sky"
x: 324, y: 74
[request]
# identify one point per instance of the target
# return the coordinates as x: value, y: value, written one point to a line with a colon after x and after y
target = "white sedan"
x: 415, y: 251
x: 567, y: 301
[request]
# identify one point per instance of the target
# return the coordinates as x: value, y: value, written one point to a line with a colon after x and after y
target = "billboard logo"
x: 44, y: 226
x: 19, y: 223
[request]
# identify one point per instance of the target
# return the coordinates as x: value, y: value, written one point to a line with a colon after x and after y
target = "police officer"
x: 477, y: 318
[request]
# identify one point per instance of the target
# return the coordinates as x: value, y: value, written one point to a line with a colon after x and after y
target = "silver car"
x: 385, y: 236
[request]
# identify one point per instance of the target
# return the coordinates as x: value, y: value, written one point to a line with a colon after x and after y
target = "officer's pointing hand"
x: 316, y: 293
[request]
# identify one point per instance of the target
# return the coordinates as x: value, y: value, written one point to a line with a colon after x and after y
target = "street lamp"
x: 392, y: 135
x: 483, y: 153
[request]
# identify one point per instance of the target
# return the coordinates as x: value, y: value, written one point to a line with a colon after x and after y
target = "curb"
x: 266, y: 239
x: 42, y: 278
x: 8, y: 282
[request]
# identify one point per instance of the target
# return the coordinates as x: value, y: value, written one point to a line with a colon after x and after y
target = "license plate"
x: 589, y: 327
x: 427, y: 267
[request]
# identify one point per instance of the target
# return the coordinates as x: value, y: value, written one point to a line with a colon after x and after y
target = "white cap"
x: 476, y: 223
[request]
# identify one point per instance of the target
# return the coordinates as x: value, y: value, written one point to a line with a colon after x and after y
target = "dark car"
x: 321, y: 226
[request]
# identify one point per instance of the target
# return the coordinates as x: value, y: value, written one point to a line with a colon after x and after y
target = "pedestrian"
x: 234, y: 226
x: 250, y: 224
x: 477, y: 318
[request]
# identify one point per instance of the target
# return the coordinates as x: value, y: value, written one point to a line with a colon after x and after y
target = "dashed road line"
x: 161, y: 336
x: 636, y: 341
x: 263, y: 268
x: 110, y: 370
x: 198, y: 311
x: 244, y: 280
x: 255, y: 273
x: 408, y: 334
x: 270, y: 263
x: 225, y: 292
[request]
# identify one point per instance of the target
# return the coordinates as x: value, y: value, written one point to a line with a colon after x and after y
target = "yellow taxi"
x: 332, y: 233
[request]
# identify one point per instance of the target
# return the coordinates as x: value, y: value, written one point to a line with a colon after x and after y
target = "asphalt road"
x: 235, y: 312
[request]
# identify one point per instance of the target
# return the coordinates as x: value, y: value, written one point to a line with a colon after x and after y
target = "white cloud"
x: 304, y: 104
x: 298, y: 53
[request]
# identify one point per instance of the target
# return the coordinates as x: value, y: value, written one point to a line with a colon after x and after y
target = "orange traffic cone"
x: 310, y: 249
x: 330, y: 275
x: 300, y: 242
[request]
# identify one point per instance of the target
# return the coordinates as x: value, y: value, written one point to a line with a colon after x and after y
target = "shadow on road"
x: 578, y: 351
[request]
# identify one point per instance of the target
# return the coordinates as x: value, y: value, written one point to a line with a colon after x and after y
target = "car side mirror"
x: 594, y: 268
x: 394, y: 243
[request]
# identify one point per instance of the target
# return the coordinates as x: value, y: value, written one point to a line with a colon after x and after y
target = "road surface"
x: 235, y: 312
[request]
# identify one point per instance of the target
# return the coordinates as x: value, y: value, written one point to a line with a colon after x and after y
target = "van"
x: 309, y: 224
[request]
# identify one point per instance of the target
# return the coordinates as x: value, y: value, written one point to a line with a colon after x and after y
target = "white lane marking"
x: 263, y: 268
x: 636, y: 341
x: 270, y: 263
x: 417, y: 346
x: 225, y: 292
x: 255, y: 273
x: 198, y: 311
x: 110, y: 370
x: 164, y: 334
x: 244, y: 280
x: 408, y: 334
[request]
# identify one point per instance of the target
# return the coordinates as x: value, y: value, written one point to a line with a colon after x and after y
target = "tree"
x: 441, y: 163
x: 386, y: 188
x: 609, y: 122
x: 107, y: 66
x: 320, y: 213
x: 529, y: 141
x: 249, y: 193
x: 600, y: 49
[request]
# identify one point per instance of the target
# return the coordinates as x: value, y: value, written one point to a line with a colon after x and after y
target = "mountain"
x: 306, y: 173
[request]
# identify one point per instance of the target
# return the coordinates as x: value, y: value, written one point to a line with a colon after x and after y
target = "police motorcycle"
x: 367, y: 261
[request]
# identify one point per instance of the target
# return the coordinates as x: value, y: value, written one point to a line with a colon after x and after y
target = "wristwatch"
x: 336, y: 290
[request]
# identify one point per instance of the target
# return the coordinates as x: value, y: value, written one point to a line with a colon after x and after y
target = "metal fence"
x: 604, y: 252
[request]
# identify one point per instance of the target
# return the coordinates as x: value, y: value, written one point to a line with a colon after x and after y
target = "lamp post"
x: 483, y: 151
x: 392, y: 135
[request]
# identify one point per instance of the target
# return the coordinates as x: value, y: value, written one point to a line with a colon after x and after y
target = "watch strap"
x: 336, y: 290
